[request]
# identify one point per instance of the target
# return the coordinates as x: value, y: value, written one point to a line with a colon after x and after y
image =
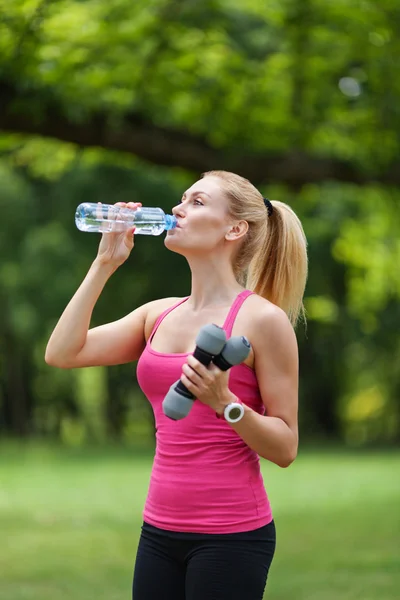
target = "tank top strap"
x: 163, y: 315
x: 230, y: 319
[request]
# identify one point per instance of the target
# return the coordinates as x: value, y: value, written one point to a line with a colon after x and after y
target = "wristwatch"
x: 233, y: 412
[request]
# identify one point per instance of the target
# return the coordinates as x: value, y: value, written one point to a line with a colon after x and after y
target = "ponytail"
x: 272, y: 260
x: 278, y: 271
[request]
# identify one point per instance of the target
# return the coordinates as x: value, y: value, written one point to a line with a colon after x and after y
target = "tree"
x: 172, y: 81
x: 119, y: 101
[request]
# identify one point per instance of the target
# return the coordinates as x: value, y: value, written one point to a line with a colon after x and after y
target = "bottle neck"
x: 170, y: 222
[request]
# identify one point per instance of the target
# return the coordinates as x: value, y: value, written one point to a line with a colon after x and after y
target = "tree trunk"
x: 171, y: 147
x: 17, y: 405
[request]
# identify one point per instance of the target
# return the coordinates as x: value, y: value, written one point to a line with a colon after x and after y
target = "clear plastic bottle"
x: 104, y: 218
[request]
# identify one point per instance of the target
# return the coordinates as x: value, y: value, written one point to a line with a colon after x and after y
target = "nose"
x: 179, y: 210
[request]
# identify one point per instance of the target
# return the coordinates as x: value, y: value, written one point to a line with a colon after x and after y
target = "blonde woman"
x: 208, y: 529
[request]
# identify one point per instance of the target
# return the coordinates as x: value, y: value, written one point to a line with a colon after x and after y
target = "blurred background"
x: 131, y: 101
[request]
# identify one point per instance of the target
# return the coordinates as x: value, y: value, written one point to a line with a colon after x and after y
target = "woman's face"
x: 203, y: 219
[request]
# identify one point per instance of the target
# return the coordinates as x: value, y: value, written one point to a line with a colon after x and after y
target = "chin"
x: 175, y: 244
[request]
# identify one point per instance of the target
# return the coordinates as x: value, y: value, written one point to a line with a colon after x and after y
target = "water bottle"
x: 104, y: 218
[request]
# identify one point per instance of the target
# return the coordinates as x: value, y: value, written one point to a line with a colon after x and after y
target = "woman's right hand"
x: 116, y: 246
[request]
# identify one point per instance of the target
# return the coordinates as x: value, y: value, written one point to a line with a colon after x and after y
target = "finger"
x: 124, y: 216
x: 100, y: 216
x: 117, y: 217
x: 188, y: 384
x: 201, y: 374
x: 129, y: 237
x: 111, y: 218
x: 99, y: 211
x: 191, y: 374
x: 213, y: 369
x: 197, y: 365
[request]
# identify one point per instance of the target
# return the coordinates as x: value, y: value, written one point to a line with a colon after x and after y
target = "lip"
x: 177, y: 226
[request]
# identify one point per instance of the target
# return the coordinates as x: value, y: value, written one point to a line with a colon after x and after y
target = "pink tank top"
x: 204, y: 479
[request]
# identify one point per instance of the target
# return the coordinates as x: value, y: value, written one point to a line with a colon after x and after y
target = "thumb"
x: 129, y: 237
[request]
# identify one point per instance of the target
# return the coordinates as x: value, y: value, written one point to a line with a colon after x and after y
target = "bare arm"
x: 72, y: 344
x: 274, y: 436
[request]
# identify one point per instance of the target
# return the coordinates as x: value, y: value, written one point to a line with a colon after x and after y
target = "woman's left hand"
x: 207, y: 384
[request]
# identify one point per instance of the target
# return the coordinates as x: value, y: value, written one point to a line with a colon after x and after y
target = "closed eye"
x: 195, y: 201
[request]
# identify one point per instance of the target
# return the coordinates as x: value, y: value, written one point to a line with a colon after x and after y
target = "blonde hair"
x: 272, y: 260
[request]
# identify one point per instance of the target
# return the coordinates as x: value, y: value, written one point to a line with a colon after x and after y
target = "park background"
x: 131, y: 101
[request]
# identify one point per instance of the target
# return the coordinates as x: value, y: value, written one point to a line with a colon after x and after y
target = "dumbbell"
x: 210, y: 346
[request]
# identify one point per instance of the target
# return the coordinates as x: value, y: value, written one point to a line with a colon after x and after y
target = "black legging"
x: 179, y: 566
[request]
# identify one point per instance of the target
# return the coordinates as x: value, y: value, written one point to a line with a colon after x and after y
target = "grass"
x: 70, y: 521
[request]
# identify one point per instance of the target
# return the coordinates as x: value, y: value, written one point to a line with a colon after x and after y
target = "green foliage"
x: 278, y: 76
x: 369, y: 244
x: 305, y: 74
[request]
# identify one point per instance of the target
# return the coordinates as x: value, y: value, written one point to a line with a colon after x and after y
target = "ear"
x: 237, y: 231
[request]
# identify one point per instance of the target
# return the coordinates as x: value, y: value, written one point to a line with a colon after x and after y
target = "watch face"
x: 235, y: 412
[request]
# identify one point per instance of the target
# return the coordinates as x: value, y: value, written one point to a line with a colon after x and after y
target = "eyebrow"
x: 197, y: 193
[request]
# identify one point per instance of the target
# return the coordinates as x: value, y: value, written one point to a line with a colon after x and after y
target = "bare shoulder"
x: 269, y: 324
x: 154, y: 309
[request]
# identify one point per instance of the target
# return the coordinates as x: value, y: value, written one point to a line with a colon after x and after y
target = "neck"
x: 213, y: 284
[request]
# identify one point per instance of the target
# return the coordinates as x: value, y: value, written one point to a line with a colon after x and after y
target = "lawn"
x: 70, y: 521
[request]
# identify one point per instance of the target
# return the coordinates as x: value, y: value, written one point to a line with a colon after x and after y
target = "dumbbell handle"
x: 205, y: 359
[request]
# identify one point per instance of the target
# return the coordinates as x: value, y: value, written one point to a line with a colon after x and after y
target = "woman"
x: 208, y: 531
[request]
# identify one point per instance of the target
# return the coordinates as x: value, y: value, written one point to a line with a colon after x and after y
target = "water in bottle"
x: 104, y: 218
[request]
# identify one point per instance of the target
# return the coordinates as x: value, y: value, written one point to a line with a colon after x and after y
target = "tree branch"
x: 39, y: 112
